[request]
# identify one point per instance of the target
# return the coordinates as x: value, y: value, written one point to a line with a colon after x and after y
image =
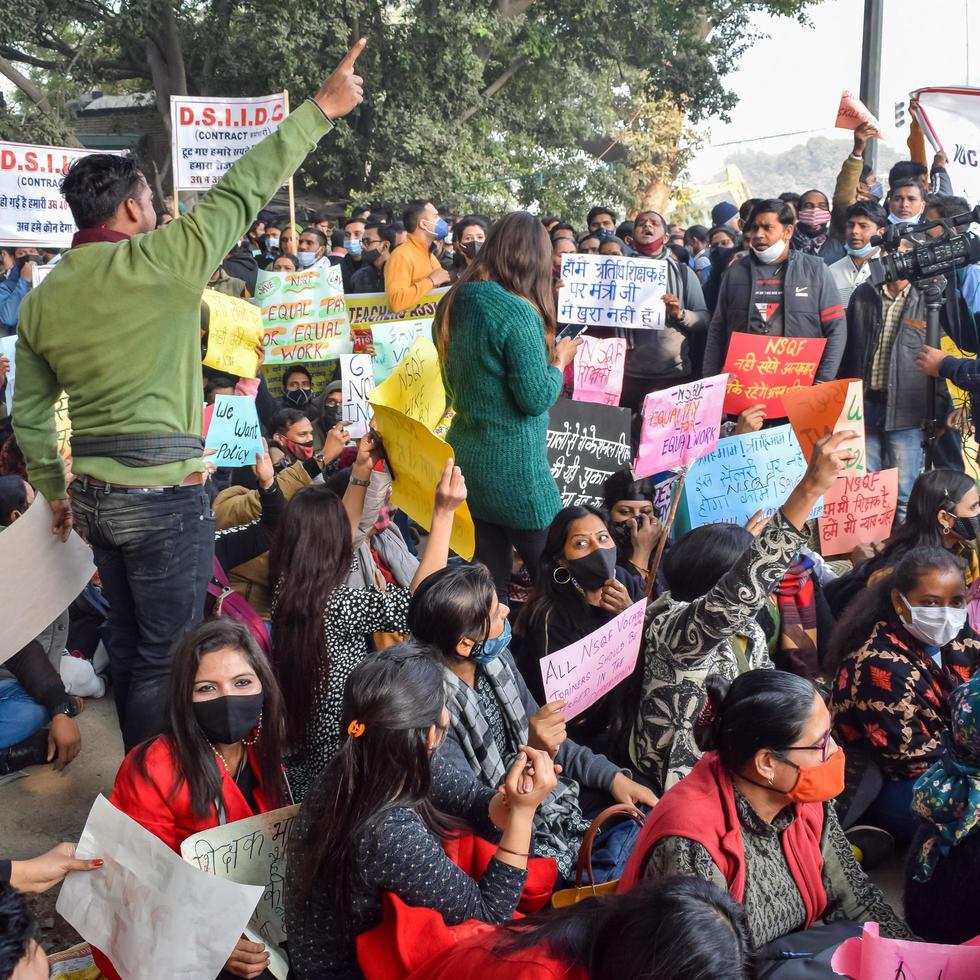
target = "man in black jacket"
x: 778, y: 292
x: 886, y: 329
x: 378, y: 243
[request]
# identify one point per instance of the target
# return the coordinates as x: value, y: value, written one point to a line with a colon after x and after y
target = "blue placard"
x: 234, y: 431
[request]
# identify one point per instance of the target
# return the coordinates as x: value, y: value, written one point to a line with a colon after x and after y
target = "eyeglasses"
x: 823, y: 745
x: 371, y: 242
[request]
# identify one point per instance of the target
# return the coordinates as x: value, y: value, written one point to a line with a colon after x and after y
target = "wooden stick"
x: 292, y: 197
x: 674, y: 503
x: 176, y: 203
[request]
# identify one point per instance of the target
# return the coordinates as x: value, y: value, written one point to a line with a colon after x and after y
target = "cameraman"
x: 885, y: 332
x: 18, y: 275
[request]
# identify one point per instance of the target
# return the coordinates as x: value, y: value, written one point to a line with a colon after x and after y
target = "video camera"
x: 936, y: 256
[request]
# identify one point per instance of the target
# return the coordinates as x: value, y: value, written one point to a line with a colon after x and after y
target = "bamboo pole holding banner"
x: 672, y: 513
x: 292, y: 195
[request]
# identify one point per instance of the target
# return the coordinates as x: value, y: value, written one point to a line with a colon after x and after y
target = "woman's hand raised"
x: 828, y: 461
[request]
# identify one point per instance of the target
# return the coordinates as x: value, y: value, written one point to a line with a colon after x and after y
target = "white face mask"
x: 306, y: 259
x: 769, y: 255
x: 935, y: 626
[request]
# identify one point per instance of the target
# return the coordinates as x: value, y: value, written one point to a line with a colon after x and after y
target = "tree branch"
x: 37, y: 97
x: 496, y: 85
x: 511, y: 8
x: 26, y: 59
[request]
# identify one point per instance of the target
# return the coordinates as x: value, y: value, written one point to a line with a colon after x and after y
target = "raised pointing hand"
x: 343, y: 90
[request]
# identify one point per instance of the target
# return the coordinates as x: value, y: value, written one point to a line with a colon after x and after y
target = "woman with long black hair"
x: 219, y: 758
x: 375, y: 819
x: 321, y: 626
x: 495, y: 332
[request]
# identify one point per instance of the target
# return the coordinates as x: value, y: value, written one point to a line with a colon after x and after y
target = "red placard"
x: 761, y: 369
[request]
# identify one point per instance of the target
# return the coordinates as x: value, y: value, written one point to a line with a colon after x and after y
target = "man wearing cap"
x: 725, y: 213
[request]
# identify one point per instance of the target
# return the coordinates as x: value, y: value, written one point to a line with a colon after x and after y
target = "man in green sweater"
x: 117, y: 326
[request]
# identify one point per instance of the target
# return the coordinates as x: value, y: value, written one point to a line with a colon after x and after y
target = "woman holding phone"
x: 502, y: 366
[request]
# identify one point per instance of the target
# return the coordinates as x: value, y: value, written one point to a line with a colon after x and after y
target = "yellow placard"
x: 367, y: 308
x: 960, y: 398
x: 414, y: 388
x: 418, y: 458
x: 234, y: 332
x: 62, y: 426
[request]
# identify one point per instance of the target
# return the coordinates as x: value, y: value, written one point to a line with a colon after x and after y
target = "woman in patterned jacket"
x: 905, y: 650
x: 719, y: 578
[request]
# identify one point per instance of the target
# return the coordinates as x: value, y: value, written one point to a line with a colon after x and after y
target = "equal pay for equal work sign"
x: 584, y: 671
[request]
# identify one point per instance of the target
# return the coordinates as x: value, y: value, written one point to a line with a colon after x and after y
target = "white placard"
x: 41, y: 574
x: 252, y: 852
x: 610, y: 291
x: 209, y: 135
x: 357, y: 378
x: 154, y: 915
x: 8, y: 347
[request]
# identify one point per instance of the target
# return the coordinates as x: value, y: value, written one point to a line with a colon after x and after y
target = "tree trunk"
x: 38, y: 98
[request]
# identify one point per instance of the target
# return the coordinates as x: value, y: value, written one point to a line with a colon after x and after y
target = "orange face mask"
x: 817, y: 784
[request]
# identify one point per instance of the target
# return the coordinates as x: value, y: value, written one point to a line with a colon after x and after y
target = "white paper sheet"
x: 8, y: 347
x: 41, y: 575
x: 252, y: 852
x: 153, y: 914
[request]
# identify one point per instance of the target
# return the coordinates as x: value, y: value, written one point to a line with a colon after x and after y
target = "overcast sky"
x: 793, y: 79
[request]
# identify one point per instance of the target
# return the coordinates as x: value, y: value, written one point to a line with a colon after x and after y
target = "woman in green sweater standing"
x: 495, y: 331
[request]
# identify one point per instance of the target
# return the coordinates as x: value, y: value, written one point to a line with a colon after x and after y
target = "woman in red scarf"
x: 755, y: 814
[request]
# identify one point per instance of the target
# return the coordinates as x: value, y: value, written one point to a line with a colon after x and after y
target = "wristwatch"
x: 71, y: 706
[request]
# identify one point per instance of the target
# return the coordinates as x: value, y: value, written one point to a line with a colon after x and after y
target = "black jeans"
x: 154, y: 552
x: 494, y: 548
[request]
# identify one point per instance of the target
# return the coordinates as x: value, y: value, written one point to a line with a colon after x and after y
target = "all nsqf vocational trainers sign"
x: 209, y: 135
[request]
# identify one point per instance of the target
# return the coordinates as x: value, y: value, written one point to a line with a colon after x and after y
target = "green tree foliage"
x: 479, y: 103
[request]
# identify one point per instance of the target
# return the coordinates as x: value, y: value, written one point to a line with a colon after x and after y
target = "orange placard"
x: 833, y: 407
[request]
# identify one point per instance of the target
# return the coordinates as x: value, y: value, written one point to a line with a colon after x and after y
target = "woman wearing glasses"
x: 755, y: 816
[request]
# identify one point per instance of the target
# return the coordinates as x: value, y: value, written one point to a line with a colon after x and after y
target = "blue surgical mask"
x: 306, y: 259
x: 353, y: 246
x: 859, y: 253
x: 489, y: 650
x: 442, y: 228
x: 876, y: 189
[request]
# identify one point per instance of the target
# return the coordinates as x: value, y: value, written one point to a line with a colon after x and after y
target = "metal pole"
x: 874, y: 15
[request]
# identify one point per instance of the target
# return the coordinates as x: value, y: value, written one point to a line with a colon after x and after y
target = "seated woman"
x: 375, y: 819
x: 220, y: 757
x: 945, y: 857
x: 754, y: 815
x: 320, y: 625
x: 580, y: 589
x: 492, y: 713
x: 719, y: 577
x: 943, y: 512
x: 904, y: 650
x: 634, y: 525
x: 676, y: 929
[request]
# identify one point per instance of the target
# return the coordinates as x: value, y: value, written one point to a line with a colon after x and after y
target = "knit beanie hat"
x: 723, y: 212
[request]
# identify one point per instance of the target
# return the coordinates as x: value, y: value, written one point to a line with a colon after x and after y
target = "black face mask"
x: 594, y: 569
x: 622, y: 532
x: 299, y: 398
x: 968, y: 528
x: 332, y: 414
x: 371, y: 257
x: 228, y: 719
x: 472, y: 248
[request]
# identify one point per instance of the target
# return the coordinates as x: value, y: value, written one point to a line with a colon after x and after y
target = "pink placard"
x: 585, y: 670
x: 852, y: 113
x: 680, y: 425
x: 598, y: 370
x: 873, y: 957
x: 858, y: 510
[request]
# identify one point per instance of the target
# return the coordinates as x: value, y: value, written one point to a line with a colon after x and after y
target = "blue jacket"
x: 13, y: 288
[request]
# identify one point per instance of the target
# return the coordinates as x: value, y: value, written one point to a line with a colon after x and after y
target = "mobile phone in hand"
x: 570, y: 332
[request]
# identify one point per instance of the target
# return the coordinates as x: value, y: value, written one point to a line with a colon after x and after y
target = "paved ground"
x: 44, y: 808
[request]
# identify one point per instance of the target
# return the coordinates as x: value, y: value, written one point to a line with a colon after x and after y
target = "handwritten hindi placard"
x: 392, y: 340
x: 858, y: 510
x: 303, y: 314
x: 62, y: 426
x: 611, y: 291
x: 32, y: 210
x: 680, y: 424
x: 252, y: 852
x: 234, y: 431
x: 357, y: 383
x: 234, y: 334
x: 819, y: 410
x: 584, y: 671
x: 155, y: 916
x: 598, y: 372
x: 762, y: 369
x: 746, y: 473
x: 873, y: 957
x: 587, y: 443
x: 209, y: 135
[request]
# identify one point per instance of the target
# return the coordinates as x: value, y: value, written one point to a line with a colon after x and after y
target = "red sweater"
x: 701, y: 808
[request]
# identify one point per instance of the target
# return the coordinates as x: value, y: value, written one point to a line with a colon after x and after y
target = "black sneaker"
x: 872, y: 846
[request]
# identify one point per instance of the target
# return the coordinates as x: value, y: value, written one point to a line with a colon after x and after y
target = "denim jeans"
x: 20, y: 715
x: 154, y: 552
x: 899, y: 447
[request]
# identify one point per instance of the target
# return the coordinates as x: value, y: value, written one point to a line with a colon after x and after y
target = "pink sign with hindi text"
x: 858, y: 510
x: 598, y: 371
x: 680, y: 425
x: 584, y: 671
x: 873, y: 957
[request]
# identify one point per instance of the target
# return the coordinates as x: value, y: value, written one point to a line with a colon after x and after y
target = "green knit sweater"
x: 118, y: 325
x: 501, y: 385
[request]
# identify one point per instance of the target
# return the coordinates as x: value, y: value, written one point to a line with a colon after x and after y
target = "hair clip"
x: 356, y: 728
x: 708, y: 714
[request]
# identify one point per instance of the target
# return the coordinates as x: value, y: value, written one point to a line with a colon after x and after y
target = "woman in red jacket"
x: 220, y: 757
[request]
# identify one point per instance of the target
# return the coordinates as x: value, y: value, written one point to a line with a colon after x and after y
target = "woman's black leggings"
x: 494, y: 548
